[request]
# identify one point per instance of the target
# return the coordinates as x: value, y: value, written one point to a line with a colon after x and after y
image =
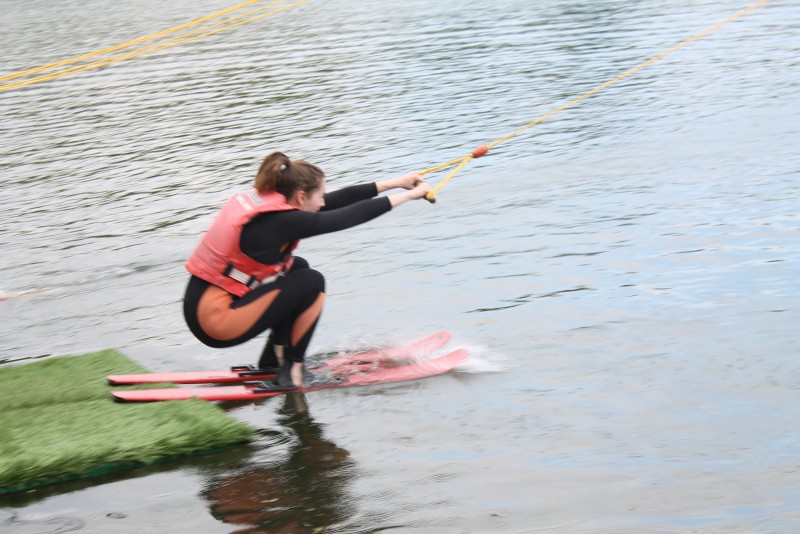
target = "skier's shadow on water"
x: 305, y: 491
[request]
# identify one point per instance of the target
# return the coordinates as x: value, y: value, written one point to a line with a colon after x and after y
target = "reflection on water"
x: 306, y: 490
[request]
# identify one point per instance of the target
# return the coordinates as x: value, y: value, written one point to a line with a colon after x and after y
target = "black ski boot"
x: 284, y: 378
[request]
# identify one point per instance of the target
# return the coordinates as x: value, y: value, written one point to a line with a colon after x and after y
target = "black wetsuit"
x: 289, y: 306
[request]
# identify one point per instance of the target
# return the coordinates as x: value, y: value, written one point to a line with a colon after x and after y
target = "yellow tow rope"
x: 482, y: 150
x: 181, y: 38
x: 235, y: 22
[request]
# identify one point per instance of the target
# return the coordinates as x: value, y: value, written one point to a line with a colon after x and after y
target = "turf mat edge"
x: 46, y: 436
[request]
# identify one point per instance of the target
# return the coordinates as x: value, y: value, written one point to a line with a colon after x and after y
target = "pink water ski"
x: 255, y: 390
x: 243, y: 373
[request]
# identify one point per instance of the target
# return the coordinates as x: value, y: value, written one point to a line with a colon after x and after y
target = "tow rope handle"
x: 462, y: 162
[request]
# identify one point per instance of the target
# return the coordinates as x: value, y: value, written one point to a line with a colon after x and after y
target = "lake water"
x: 624, y: 274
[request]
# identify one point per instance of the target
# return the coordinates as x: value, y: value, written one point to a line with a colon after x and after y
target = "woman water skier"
x: 244, y: 276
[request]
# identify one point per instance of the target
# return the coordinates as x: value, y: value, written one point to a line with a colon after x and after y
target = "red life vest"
x: 218, y: 258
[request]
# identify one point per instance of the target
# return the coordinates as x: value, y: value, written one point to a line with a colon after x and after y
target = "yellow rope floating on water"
x: 123, y: 45
x: 232, y: 23
x: 482, y: 150
x: 156, y: 46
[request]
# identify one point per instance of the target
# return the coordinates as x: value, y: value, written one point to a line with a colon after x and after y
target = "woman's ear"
x: 297, y: 198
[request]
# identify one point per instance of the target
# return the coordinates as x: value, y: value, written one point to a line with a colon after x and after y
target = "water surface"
x: 625, y: 274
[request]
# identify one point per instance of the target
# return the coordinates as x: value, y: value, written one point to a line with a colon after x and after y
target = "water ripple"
x: 634, y: 258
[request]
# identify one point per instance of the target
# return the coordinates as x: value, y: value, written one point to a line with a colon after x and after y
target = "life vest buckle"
x: 250, y: 281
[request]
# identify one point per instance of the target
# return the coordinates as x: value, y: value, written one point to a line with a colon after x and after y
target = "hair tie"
x: 283, y: 167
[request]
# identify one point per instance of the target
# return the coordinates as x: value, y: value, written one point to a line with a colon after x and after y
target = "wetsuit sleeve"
x: 349, y: 195
x: 263, y: 236
x: 305, y: 224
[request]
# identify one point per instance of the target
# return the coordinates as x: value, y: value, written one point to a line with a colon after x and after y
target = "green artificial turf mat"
x: 58, y: 422
x: 62, y: 380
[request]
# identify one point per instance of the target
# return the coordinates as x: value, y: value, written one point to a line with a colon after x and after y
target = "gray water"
x: 624, y: 274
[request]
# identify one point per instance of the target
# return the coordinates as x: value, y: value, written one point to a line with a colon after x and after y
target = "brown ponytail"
x: 279, y: 173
